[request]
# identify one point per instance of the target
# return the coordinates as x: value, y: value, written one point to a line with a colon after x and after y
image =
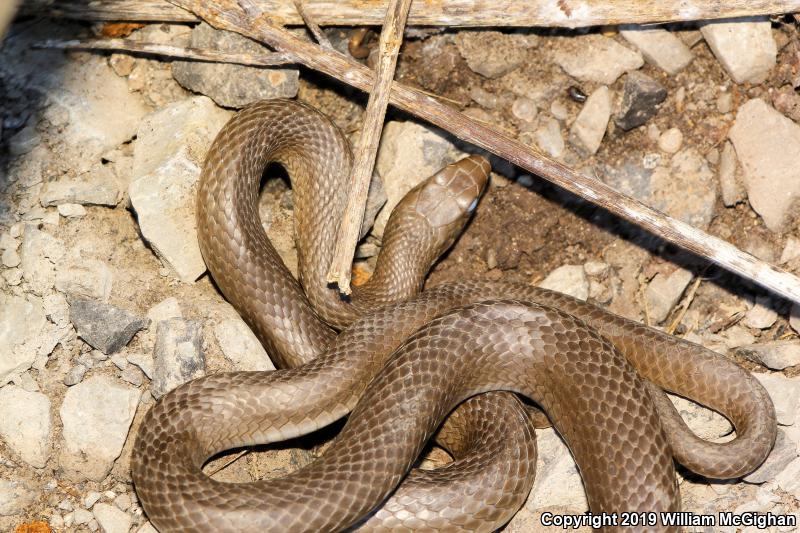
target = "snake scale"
x: 406, y: 358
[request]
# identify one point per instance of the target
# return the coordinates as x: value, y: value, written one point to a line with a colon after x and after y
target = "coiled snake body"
x: 599, y: 377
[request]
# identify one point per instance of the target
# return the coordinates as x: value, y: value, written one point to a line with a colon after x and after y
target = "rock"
x: 762, y: 138
x: 38, y: 253
x: 596, y: 58
x: 785, y: 394
x: 241, y: 346
x: 178, y: 355
x: 736, y: 336
x: 670, y: 141
x: 24, y: 140
x: 589, y: 128
x: 524, y: 109
x: 548, y: 137
x: 96, y: 416
x: 144, y: 362
x: 21, y: 323
x: 81, y: 516
x: 568, y: 279
x: 730, y: 185
x: 164, y: 310
x: 783, y: 453
x: 86, y: 278
x: 557, y: 477
x: 92, y: 497
x: 75, y: 375
x: 659, y: 47
x: 791, y: 251
x: 111, y: 519
x: 506, y: 52
x: 685, y: 190
x: 233, y: 85
x: 725, y: 103
x: 71, y: 210
x: 663, y: 293
x: 147, y: 527
x: 11, y: 258
x: 104, y: 326
x: 640, y: 100
x: 762, y: 315
x: 704, y: 423
x: 408, y: 154
x: 170, y: 148
x: 559, y: 110
x: 25, y: 424
x: 97, y: 187
x: 745, y: 47
x: 101, y: 113
x: 794, y: 317
x: 775, y: 355
x: 15, y: 497
x: 789, y: 479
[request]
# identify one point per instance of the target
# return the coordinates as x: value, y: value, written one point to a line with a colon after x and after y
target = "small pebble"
x: 725, y: 103
x: 71, y: 210
x: 670, y: 141
x: 559, y: 110
x: 75, y: 375
x: 524, y: 109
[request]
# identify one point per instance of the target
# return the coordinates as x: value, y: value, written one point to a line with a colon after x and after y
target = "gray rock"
x: 408, y: 154
x: 505, y: 53
x: 104, y: 326
x: 15, y: 497
x: 144, y: 362
x: 745, y: 47
x: 783, y: 453
x: 568, y: 279
x: 25, y: 424
x: 548, y: 137
x: 87, y: 278
x: 731, y: 187
x: 96, y: 416
x: 132, y: 375
x: 111, y: 519
x: 241, y: 346
x: 233, y: 85
x: 168, y: 155
x: 762, y: 315
x: 178, y: 355
x: 685, y: 190
x: 24, y: 140
x: 589, y: 128
x: 98, y: 187
x: 663, y: 293
x: 659, y: 47
x: 75, y: 375
x: 21, y: 323
x: 596, y: 58
x: 640, y: 100
x: 775, y: 355
x: 762, y: 137
x: 785, y: 394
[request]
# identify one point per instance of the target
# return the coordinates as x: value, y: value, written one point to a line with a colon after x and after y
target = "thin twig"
x: 686, y: 303
x: 229, y: 463
x: 319, y: 35
x: 126, y: 45
x: 340, y: 271
x: 225, y: 14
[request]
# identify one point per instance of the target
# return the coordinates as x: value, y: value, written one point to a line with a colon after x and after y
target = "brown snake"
x: 599, y: 377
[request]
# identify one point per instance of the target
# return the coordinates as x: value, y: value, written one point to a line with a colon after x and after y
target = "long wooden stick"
x: 389, y: 46
x: 126, y: 45
x: 225, y: 14
x: 561, y: 13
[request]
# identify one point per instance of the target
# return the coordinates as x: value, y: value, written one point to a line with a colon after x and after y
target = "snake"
x: 403, y: 365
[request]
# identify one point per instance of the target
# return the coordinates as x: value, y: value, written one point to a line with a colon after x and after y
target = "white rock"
x: 785, y: 394
x: 147, y: 527
x: 240, y: 345
x: 15, y: 497
x: 704, y: 423
x: 596, y: 58
x: 96, y: 415
x: 670, y: 141
x: 88, y: 278
x: 164, y: 310
x: 791, y: 251
x: 25, y: 424
x: 21, y: 323
x: 81, y: 516
x: 663, y: 293
x: 775, y: 355
x: 762, y: 315
x: 144, y: 362
x: 568, y: 279
x: 99, y: 186
x: 659, y: 47
x: 548, y: 137
x: 745, y: 47
x: 557, y: 477
x: 762, y: 137
x: 589, y: 128
x: 11, y: 258
x: 38, y: 252
x: 111, y: 519
x: 91, y: 498
x: 408, y: 154
x: 71, y: 210
x: 731, y: 188
x: 789, y: 479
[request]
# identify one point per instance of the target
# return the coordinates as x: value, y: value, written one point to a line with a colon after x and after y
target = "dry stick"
x: 126, y: 45
x: 549, y: 13
x: 339, y: 271
x: 322, y: 39
x: 227, y: 15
